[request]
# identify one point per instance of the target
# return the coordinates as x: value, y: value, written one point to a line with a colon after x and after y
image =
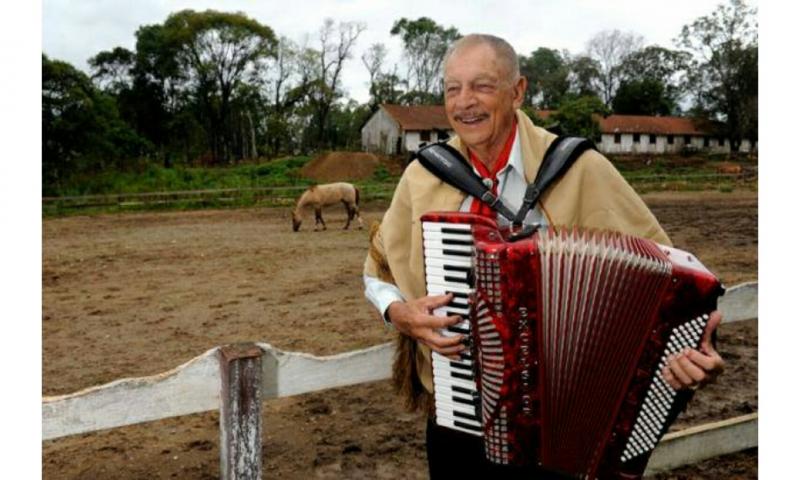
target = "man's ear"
x: 519, y: 91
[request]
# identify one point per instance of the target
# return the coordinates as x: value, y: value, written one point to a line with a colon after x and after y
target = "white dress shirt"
x: 511, y: 187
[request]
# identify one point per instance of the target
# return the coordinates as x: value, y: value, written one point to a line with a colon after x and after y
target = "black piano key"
x: 463, y: 390
x: 450, y: 279
x: 467, y: 416
x: 467, y: 426
x: 462, y: 376
x: 454, y: 241
x: 456, y: 268
x: 454, y: 329
x: 454, y: 231
x: 466, y: 401
x: 456, y: 253
x: 462, y: 367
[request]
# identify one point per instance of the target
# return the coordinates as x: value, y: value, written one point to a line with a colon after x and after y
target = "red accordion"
x: 569, y: 330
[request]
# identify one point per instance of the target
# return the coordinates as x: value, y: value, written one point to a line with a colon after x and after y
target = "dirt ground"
x: 137, y: 294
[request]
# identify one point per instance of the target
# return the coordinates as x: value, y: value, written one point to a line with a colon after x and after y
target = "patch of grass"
x: 280, y: 172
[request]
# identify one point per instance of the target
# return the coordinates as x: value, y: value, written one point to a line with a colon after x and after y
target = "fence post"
x: 240, y: 411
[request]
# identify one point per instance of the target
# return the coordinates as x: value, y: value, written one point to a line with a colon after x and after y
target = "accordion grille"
x: 600, y: 295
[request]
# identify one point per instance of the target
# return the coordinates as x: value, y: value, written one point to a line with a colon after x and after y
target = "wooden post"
x: 240, y: 412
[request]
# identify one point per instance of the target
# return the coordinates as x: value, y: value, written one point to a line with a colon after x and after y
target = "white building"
x: 396, y: 129
x: 631, y: 134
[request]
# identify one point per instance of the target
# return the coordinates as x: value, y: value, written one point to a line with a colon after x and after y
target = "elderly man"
x: 483, y: 93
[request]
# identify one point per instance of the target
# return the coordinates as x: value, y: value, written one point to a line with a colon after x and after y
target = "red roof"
x: 419, y: 117
x: 429, y: 117
x: 655, y: 125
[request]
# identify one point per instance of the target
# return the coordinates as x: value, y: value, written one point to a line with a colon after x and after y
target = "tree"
x: 113, y: 69
x: 548, y: 77
x: 81, y: 128
x: 642, y: 97
x: 424, y: 45
x: 584, y: 76
x: 608, y: 48
x: 651, y: 81
x: 217, y: 50
x: 577, y: 116
x: 724, y: 71
x: 336, y: 45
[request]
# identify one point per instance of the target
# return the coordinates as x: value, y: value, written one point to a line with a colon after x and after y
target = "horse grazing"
x: 319, y: 196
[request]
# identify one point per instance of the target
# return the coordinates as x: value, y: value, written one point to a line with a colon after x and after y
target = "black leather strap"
x: 449, y: 165
x: 560, y: 155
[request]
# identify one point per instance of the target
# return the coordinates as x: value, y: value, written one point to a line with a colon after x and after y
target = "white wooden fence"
x: 235, y: 379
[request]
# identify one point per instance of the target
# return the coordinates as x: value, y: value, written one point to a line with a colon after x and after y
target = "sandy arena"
x: 137, y: 294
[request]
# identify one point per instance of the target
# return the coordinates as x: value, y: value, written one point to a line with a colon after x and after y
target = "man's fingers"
x: 670, y: 378
x: 438, y: 341
x: 436, y: 301
x: 696, y: 373
x: 713, y: 322
x: 708, y: 362
x: 677, y: 371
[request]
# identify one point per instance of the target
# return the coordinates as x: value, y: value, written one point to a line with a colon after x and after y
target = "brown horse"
x: 319, y: 196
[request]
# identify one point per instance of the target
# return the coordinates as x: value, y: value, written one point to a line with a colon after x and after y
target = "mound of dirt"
x: 337, y: 166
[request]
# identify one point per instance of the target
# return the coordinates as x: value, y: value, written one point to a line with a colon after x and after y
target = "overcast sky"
x: 76, y: 30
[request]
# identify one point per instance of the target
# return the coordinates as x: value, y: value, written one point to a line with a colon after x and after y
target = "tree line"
x: 218, y: 88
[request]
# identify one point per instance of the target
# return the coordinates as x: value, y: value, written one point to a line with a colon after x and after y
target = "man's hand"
x: 415, y: 319
x: 692, y: 368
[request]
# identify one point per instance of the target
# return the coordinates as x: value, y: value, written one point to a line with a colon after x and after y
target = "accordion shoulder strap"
x: 560, y: 155
x: 449, y: 165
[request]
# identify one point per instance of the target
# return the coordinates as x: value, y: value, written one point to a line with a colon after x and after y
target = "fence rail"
x: 287, y: 194
x: 197, y: 386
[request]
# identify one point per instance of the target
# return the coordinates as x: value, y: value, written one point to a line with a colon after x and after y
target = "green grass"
x: 279, y: 172
x: 655, y: 174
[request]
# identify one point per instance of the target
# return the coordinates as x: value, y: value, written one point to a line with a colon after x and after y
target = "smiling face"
x: 481, y: 96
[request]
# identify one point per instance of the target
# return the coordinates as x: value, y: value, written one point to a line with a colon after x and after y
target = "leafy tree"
x: 724, y: 71
x: 609, y: 48
x: 216, y: 51
x: 113, y: 68
x: 548, y: 77
x: 643, y: 97
x: 81, y: 129
x: 584, y: 76
x: 577, y: 116
x: 651, y: 81
x: 424, y: 44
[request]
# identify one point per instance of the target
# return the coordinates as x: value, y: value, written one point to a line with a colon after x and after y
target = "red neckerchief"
x: 477, y: 205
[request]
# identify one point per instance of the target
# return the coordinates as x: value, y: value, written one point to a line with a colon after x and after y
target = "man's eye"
x: 485, y: 87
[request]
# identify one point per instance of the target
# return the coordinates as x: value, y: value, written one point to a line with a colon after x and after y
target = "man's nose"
x: 465, y: 98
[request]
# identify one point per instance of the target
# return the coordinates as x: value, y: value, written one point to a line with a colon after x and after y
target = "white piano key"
x: 438, y: 226
x: 449, y: 423
x: 442, y: 245
x: 443, y: 414
x: 437, y: 289
x: 458, y: 261
x: 439, y: 235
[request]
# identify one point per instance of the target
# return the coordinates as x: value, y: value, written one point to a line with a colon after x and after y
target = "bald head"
x: 504, y: 51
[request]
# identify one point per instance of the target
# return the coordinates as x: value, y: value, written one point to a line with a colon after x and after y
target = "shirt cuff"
x: 381, y: 294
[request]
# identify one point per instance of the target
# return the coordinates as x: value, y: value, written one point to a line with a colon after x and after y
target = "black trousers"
x: 453, y: 454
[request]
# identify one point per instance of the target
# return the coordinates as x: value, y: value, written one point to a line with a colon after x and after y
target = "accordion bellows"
x: 570, y: 329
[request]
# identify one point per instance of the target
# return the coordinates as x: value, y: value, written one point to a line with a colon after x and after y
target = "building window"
x: 637, y: 138
x: 652, y: 139
x: 617, y: 138
x: 670, y: 139
x: 721, y: 142
x: 687, y: 140
x: 706, y: 142
x: 425, y: 136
